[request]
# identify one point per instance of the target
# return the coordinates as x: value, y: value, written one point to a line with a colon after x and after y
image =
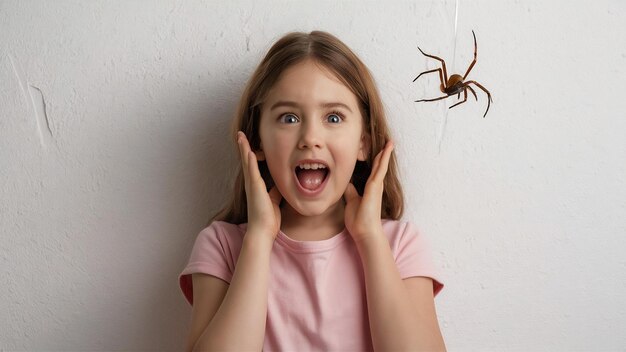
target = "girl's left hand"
x: 362, y: 214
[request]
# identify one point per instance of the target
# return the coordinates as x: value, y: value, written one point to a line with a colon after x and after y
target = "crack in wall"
x: 40, y: 106
x: 34, y: 96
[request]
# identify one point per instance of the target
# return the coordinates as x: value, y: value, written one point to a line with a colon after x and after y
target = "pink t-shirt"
x: 316, y: 298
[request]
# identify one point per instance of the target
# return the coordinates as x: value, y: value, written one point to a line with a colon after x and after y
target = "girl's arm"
x: 401, y: 312
x: 236, y: 323
x: 239, y: 322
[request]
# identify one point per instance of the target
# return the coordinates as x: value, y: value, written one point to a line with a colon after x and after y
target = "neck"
x: 315, y: 227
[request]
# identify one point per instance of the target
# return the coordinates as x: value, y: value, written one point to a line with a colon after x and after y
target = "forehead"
x: 309, y: 83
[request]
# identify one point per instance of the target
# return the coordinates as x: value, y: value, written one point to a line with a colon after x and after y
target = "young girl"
x: 309, y: 254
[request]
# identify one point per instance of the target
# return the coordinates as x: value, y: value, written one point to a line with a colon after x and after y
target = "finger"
x: 350, y: 194
x: 275, y: 195
x: 242, y: 149
x: 376, y: 163
x: 253, y: 167
x: 382, y: 164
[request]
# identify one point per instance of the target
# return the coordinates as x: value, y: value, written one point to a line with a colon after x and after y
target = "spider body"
x: 456, y: 84
x: 453, y: 86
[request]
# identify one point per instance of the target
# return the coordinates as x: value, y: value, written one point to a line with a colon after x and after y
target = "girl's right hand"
x: 263, y: 206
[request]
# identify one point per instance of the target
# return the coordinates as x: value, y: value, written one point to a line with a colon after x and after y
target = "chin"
x: 310, y: 210
x: 314, y: 208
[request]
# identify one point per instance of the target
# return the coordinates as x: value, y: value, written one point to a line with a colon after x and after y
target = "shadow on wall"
x: 211, y: 166
x: 167, y: 197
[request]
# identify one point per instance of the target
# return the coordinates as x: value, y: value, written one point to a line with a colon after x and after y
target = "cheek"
x: 350, y: 146
x: 275, y: 147
x: 346, y: 154
x: 277, y: 157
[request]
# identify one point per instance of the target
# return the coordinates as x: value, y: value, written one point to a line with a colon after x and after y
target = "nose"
x: 310, y: 135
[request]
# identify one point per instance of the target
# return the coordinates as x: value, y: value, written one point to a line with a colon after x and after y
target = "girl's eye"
x: 335, y: 118
x: 289, y: 118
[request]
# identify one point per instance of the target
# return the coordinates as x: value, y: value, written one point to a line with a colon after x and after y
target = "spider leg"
x: 443, y: 64
x: 434, y: 99
x: 473, y: 62
x: 429, y: 71
x: 473, y: 92
x: 486, y: 91
x: 463, y: 101
x: 440, y: 78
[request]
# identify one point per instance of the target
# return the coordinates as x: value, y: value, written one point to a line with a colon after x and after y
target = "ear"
x: 364, y: 149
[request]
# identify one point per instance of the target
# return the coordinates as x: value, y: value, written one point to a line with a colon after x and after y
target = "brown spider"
x: 456, y: 84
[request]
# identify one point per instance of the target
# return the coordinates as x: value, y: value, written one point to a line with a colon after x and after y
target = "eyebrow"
x: 323, y: 105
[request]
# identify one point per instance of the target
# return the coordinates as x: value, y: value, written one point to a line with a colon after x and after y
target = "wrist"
x: 371, y: 239
x: 258, y: 239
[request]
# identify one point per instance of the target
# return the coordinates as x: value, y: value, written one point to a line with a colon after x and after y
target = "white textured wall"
x: 113, y: 152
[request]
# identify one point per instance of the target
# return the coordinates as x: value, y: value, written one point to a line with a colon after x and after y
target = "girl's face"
x: 310, y: 114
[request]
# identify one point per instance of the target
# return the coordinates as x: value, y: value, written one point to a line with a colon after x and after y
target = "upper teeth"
x: 313, y: 166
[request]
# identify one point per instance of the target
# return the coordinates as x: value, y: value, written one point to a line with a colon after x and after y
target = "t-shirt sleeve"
x: 210, y: 255
x: 414, y: 257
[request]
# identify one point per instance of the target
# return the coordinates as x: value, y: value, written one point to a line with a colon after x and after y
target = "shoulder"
x: 223, y: 231
x: 219, y: 236
x: 214, y: 253
x: 390, y: 225
x: 412, y: 251
x: 403, y: 235
x: 225, y: 227
x: 395, y: 230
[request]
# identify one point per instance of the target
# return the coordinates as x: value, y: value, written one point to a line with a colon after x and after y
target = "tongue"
x: 311, y: 179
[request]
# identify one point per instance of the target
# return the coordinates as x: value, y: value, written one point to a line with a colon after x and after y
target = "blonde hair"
x: 331, y: 53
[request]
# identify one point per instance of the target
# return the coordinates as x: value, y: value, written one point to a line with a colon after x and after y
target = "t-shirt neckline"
x: 311, y: 246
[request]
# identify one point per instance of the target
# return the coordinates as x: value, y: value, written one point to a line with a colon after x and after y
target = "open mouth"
x: 312, y: 177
